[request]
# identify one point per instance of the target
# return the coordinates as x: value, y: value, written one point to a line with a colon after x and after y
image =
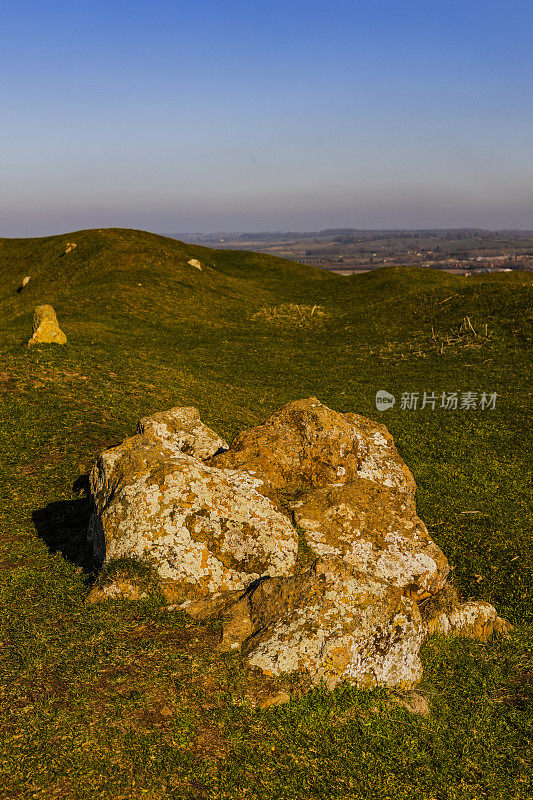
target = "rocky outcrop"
x: 220, y: 527
x: 376, y: 530
x: 348, y: 489
x: 46, y: 328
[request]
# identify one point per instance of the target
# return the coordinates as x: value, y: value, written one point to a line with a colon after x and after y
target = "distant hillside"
x: 114, y: 274
x: 349, y: 249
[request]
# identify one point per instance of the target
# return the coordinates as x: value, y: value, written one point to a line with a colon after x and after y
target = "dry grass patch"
x: 291, y: 314
x: 425, y: 344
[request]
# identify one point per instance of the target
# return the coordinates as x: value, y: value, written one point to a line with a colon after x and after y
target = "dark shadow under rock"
x: 64, y: 527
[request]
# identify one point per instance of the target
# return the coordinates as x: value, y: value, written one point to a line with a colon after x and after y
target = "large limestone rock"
x: 348, y: 488
x: 333, y: 622
x: 46, y: 328
x: 220, y: 525
x: 203, y: 530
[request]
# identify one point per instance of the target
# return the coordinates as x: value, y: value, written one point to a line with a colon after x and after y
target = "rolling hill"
x: 131, y: 701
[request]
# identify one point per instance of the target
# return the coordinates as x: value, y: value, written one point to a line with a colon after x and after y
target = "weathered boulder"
x: 219, y: 527
x: 46, y: 328
x: 194, y: 263
x: 331, y: 621
x: 377, y: 531
x: 182, y: 428
x: 306, y: 445
x: 203, y: 530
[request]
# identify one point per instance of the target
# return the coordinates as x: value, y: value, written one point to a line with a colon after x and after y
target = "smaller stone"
x: 274, y: 700
x: 502, y: 626
x: 195, y: 263
x: 25, y: 281
x: 120, y: 588
x: 413, y: 702
x: 474, y: 619
x: 70, y: 247
x: 210, y: 606
x: 46, y: 328
x: 237, y: 626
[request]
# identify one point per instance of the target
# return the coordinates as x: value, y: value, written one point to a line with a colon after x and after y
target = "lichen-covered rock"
x: 194, y: 263
x: 350, y: 491
x: 215, y: 525
x: 46, y: 328
x: 475, y: 619
x: 306, y: 445
x: 203, y: 530
x: 331, y: 621
x: 377, y: 531
x: 183, y: 429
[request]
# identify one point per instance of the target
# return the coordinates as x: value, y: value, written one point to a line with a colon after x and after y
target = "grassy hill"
x: 130, y: 700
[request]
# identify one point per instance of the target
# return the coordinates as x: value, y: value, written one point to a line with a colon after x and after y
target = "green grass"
x: 132, y: 701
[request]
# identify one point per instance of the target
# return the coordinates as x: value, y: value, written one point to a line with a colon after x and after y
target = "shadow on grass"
x: 64, y: 527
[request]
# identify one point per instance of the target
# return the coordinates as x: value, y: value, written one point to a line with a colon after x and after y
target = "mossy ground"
x: 131, y: 701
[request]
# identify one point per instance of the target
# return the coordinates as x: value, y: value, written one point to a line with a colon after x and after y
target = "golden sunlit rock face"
x: 377, y: 531
x: 220, y: 528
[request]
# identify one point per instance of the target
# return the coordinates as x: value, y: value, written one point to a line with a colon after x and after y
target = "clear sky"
x: 225, y: 116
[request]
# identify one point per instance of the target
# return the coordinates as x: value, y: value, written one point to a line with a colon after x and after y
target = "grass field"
x: 130, y: 700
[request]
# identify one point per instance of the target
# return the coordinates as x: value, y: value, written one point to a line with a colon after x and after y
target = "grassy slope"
x: 130, y: 701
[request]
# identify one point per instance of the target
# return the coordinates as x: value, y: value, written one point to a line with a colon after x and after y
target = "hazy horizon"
x: 281, y: 232
x: 276, y: 117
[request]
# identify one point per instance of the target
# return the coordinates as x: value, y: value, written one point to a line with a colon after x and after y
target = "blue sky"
x: 227, y: 116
